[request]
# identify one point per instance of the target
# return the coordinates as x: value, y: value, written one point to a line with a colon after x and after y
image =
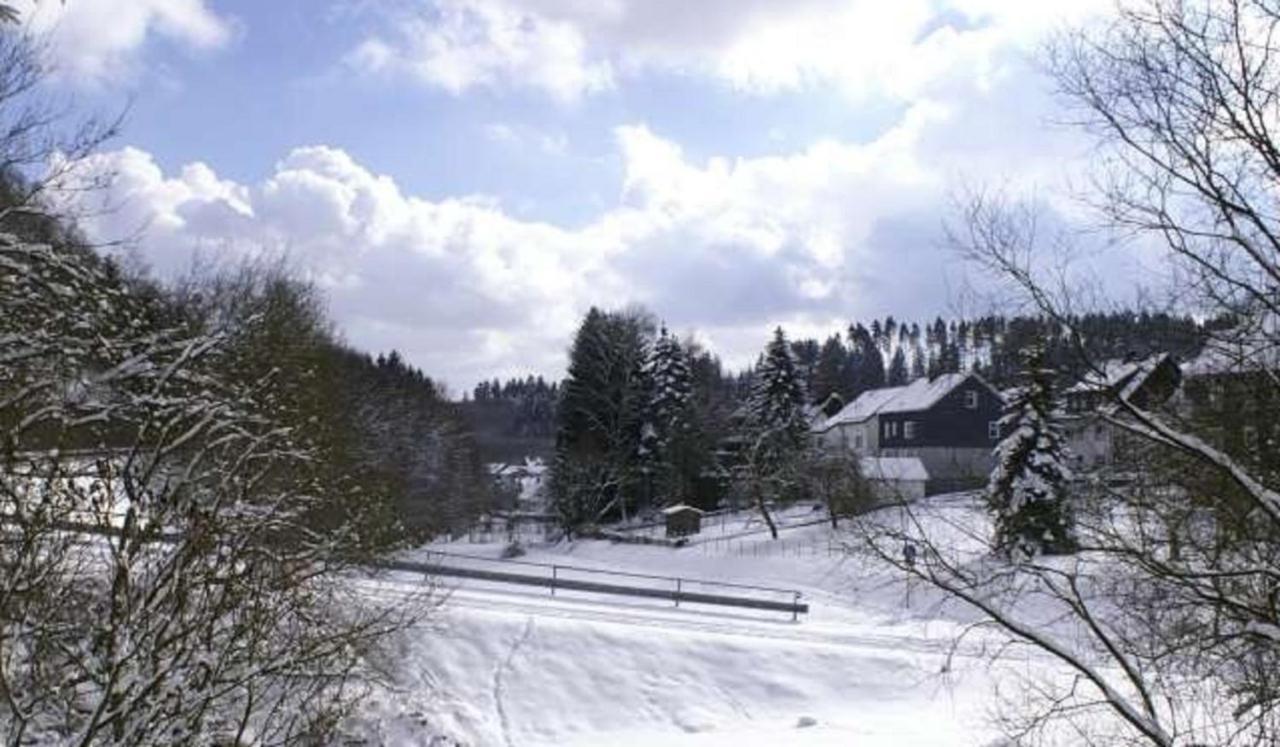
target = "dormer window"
x: 971, y: 399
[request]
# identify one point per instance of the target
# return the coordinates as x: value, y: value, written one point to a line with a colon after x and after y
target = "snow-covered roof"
x: 920, y: 394
x: 681, y: 508
x: 1130, y: 374
x: 1223, y: 358
x: 893, y: 468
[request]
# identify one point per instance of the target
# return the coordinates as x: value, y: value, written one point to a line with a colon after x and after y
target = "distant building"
x: 895, y: 479
x: 520, y: 485
x: 1091, y: 441
x: 1230, y: 398
x: 950, y: 424
x: 682, y: 520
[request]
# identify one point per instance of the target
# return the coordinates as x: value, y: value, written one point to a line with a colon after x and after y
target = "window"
x: 993, y: 430
x: 909, y: 429
x: 971, y: 399
x: 857, y: 439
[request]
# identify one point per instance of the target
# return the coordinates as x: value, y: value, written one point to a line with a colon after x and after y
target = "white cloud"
x: 467, y: 289
x: 464, y: 44
x: 573, y: 47
x: 93, y: 41
x: 809, y: 237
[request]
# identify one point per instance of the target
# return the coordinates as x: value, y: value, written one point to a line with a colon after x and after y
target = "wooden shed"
x: 683, y: 520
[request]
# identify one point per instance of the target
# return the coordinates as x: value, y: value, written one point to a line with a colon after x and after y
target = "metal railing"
x: 561, y: 577
x: 558, y: 577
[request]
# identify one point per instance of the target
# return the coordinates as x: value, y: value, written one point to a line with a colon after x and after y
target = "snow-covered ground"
x: 870, y: 665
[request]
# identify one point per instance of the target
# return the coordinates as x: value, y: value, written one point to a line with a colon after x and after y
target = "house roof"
x: 920, y: 394
x: 680, y: 508
x: 1128, y: 375
x: 1227, y: 358
x: 894, y: 468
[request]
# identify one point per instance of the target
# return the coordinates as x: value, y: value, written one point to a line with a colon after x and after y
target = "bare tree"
x: 1167, y: 622
x: 162, y: 575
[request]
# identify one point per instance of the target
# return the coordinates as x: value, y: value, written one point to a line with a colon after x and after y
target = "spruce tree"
x: 829, y: 375
x: 777, y: 401
x: 898, y: 374
x: 777, y: 428
x: 600, y: 418
x: 917, y: 361
x: 1027, y: 493
x: 669, y: 422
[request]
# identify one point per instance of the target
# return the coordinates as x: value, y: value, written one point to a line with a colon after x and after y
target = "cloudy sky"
x: 466, y: 177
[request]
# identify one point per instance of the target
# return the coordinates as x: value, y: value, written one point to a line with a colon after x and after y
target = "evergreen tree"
x: 898, y: 374
x: 917, y: 360
x: 600, y: 418
x: 669, y: 421
x: 829, y: 374
x: 777, y: 429
x: 776, y: 404
x: 1027, y: 491
x: 867, y: 362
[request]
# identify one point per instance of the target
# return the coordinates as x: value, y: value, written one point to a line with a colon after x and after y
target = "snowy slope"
x: 503, y: 667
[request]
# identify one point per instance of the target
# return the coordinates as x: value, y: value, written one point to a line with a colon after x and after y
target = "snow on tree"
x: 668, y: 417
x: 776, y: 404
x: 777, y: 429
x: 672, y: 384
x: 1027, y: 490
x: 600, y: 419
x: 213, y: 607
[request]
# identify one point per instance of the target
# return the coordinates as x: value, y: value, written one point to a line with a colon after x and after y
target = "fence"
x: 561, y: 578
x: 761, y: 546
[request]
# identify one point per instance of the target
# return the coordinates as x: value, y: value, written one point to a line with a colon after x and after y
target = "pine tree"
x: 1027, y: 492
x: 829, y: 374
x: 868, y: 363
x: 776, y: 404
x: 898, y: 374
x: 669, y: 422
x: 917, y: 360
x: 600, y: 418
x: 777, y: 428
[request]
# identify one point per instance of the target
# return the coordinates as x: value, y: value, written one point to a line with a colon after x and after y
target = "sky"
x: 465, y: 178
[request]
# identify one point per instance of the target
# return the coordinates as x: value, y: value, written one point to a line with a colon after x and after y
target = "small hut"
x: 682, y: 520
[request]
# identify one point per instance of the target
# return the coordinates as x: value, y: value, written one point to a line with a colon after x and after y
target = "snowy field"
x: 872, y: 664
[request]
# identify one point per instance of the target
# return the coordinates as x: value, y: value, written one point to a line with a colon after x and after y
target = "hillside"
x: 872, y: 664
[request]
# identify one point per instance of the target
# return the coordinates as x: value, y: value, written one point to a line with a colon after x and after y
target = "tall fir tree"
x: 777, y: 429
x: 1027, y: 493
x: 898, y: 374
x: 666, y: 432
x: 829, y: 374
x: 777, y: 401
x: 868, y: 363
x: 917, y: 360
x: 599, y: 419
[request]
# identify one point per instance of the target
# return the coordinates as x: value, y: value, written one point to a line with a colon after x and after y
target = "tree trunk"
x: 764, y: 511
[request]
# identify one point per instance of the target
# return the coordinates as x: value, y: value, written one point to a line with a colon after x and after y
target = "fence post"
x: 554, y: 569
x: 677, y: 592
x: 795, y: 609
